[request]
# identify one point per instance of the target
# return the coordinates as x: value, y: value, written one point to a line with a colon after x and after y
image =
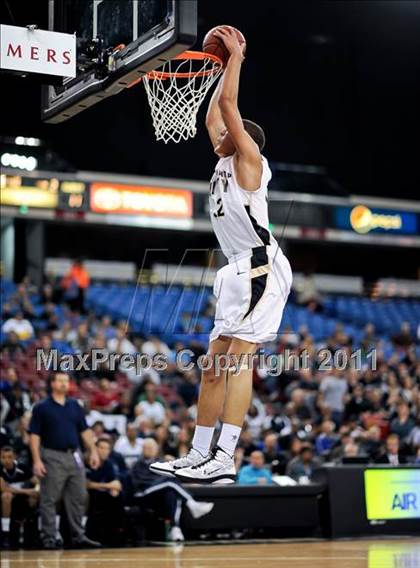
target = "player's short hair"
x: 7, y: 449
x: 255, y: 131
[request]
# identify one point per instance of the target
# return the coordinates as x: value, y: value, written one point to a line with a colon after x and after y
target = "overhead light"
x: 28, y: 163
x: 31, y: 163
x: 22, y: 141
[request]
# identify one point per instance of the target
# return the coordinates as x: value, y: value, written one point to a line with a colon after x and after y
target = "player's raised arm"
x: 214, y: 120
x: 245, y: 146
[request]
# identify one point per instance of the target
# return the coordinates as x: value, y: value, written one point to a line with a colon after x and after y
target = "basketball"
x: 214, y: 45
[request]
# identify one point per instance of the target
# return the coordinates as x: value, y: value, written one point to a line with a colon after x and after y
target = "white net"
x: 175, y: 93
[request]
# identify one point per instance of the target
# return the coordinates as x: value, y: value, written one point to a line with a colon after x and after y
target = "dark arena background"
x: 108, y: 261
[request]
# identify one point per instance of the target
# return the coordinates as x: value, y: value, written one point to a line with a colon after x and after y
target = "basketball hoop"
x: 176, y: 90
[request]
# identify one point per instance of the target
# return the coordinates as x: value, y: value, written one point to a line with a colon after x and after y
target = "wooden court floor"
x: 404, y: 553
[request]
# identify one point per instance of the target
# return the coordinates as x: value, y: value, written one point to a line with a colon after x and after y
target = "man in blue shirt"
x: 56, y: 428
x: 255, y: 473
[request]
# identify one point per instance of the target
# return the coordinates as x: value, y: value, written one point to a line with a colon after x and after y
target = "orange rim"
x: 194, y: 55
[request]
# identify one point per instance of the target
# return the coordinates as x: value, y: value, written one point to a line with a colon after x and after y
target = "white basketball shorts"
x: 251, y: 294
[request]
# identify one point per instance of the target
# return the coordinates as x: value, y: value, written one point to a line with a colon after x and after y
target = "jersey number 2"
x: 219, y: 212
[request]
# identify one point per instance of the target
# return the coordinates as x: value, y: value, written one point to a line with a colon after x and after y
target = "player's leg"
x: 6, y: 510
x: 210, y: 407
x: 50, y: 495
x: 212, y: 395
x: 220, y: 467
x: 238, y: 394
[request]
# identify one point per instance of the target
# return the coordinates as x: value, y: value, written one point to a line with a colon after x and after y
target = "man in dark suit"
x: 392, y: 454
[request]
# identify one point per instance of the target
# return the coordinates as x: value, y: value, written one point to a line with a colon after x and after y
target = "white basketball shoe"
x: 218, y: 468
x: 176, y: 535
x: 169, y: 468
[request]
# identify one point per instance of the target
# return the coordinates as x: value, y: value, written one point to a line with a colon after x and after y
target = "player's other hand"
x: 230, y: 39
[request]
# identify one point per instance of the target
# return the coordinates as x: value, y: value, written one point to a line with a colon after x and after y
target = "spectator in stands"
x: 48, y: 295
x: 333, y: 389
x: 75, y: 283
x: 98, y: 429
x: 308, y: 294
x: 106, y: 511
x: 19, y: 325
x: 371, y: 441
x: 282, y: 424
x: 12, y: 347
x: 20, y: 440
x: 82, y: 342
x: 145, y: 427
x: 56, y: 427
x: 414, y: 436
x: 105, y: 398
x: 105, y: 328
x: 302, y: 467
x: 151, y: 406
x: 300, y: 405
x: 256, y: 417
x: 404, y: 338
x: 357, y: 403
x: 19, y: 402
x: 121, y: 344
x: 167, y: 440
x: 188, y: 388
x: 326, y: 440
x: 408, y: 387
x: 351, y: 450
x: 403, y: 424
x: 154, y: 345
x: 21, y: 300
x: 19, y: 493
x: 245, y: 447
x: 8, y: 380
x: 166, y: 497
x: 129, y: 445
x: 273, y: 457
x: 369, y: 339
x: 392, y: 454
x: 65, y: 333
x: 255, y: 473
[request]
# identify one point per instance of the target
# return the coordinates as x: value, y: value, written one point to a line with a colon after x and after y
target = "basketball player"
x: 251, y: 289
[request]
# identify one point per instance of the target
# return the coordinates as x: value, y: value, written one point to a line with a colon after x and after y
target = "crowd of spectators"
x: 298, y: 418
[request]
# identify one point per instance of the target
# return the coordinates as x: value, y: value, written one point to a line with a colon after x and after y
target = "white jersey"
x: 239, y: 217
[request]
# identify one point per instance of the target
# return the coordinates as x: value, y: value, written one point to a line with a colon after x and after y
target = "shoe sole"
x: 162, y: 472
x: 218, y: 480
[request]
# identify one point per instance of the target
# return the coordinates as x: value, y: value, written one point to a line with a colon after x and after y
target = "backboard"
x: 118, y: 41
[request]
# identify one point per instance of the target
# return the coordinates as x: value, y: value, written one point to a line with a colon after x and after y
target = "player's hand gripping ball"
x: 224, y: 40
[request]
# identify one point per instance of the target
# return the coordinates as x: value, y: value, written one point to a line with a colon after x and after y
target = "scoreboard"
x: 44, y: 193
x: 73, y: 196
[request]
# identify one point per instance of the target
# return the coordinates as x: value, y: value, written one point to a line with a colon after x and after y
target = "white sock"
x: 229, y: 438
x: 84, y: 521
x: 203, y: 436
x: 5, y: 524
x: 57, y: 527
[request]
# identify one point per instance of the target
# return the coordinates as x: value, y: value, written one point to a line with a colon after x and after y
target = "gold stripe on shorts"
x: 260, y: 271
